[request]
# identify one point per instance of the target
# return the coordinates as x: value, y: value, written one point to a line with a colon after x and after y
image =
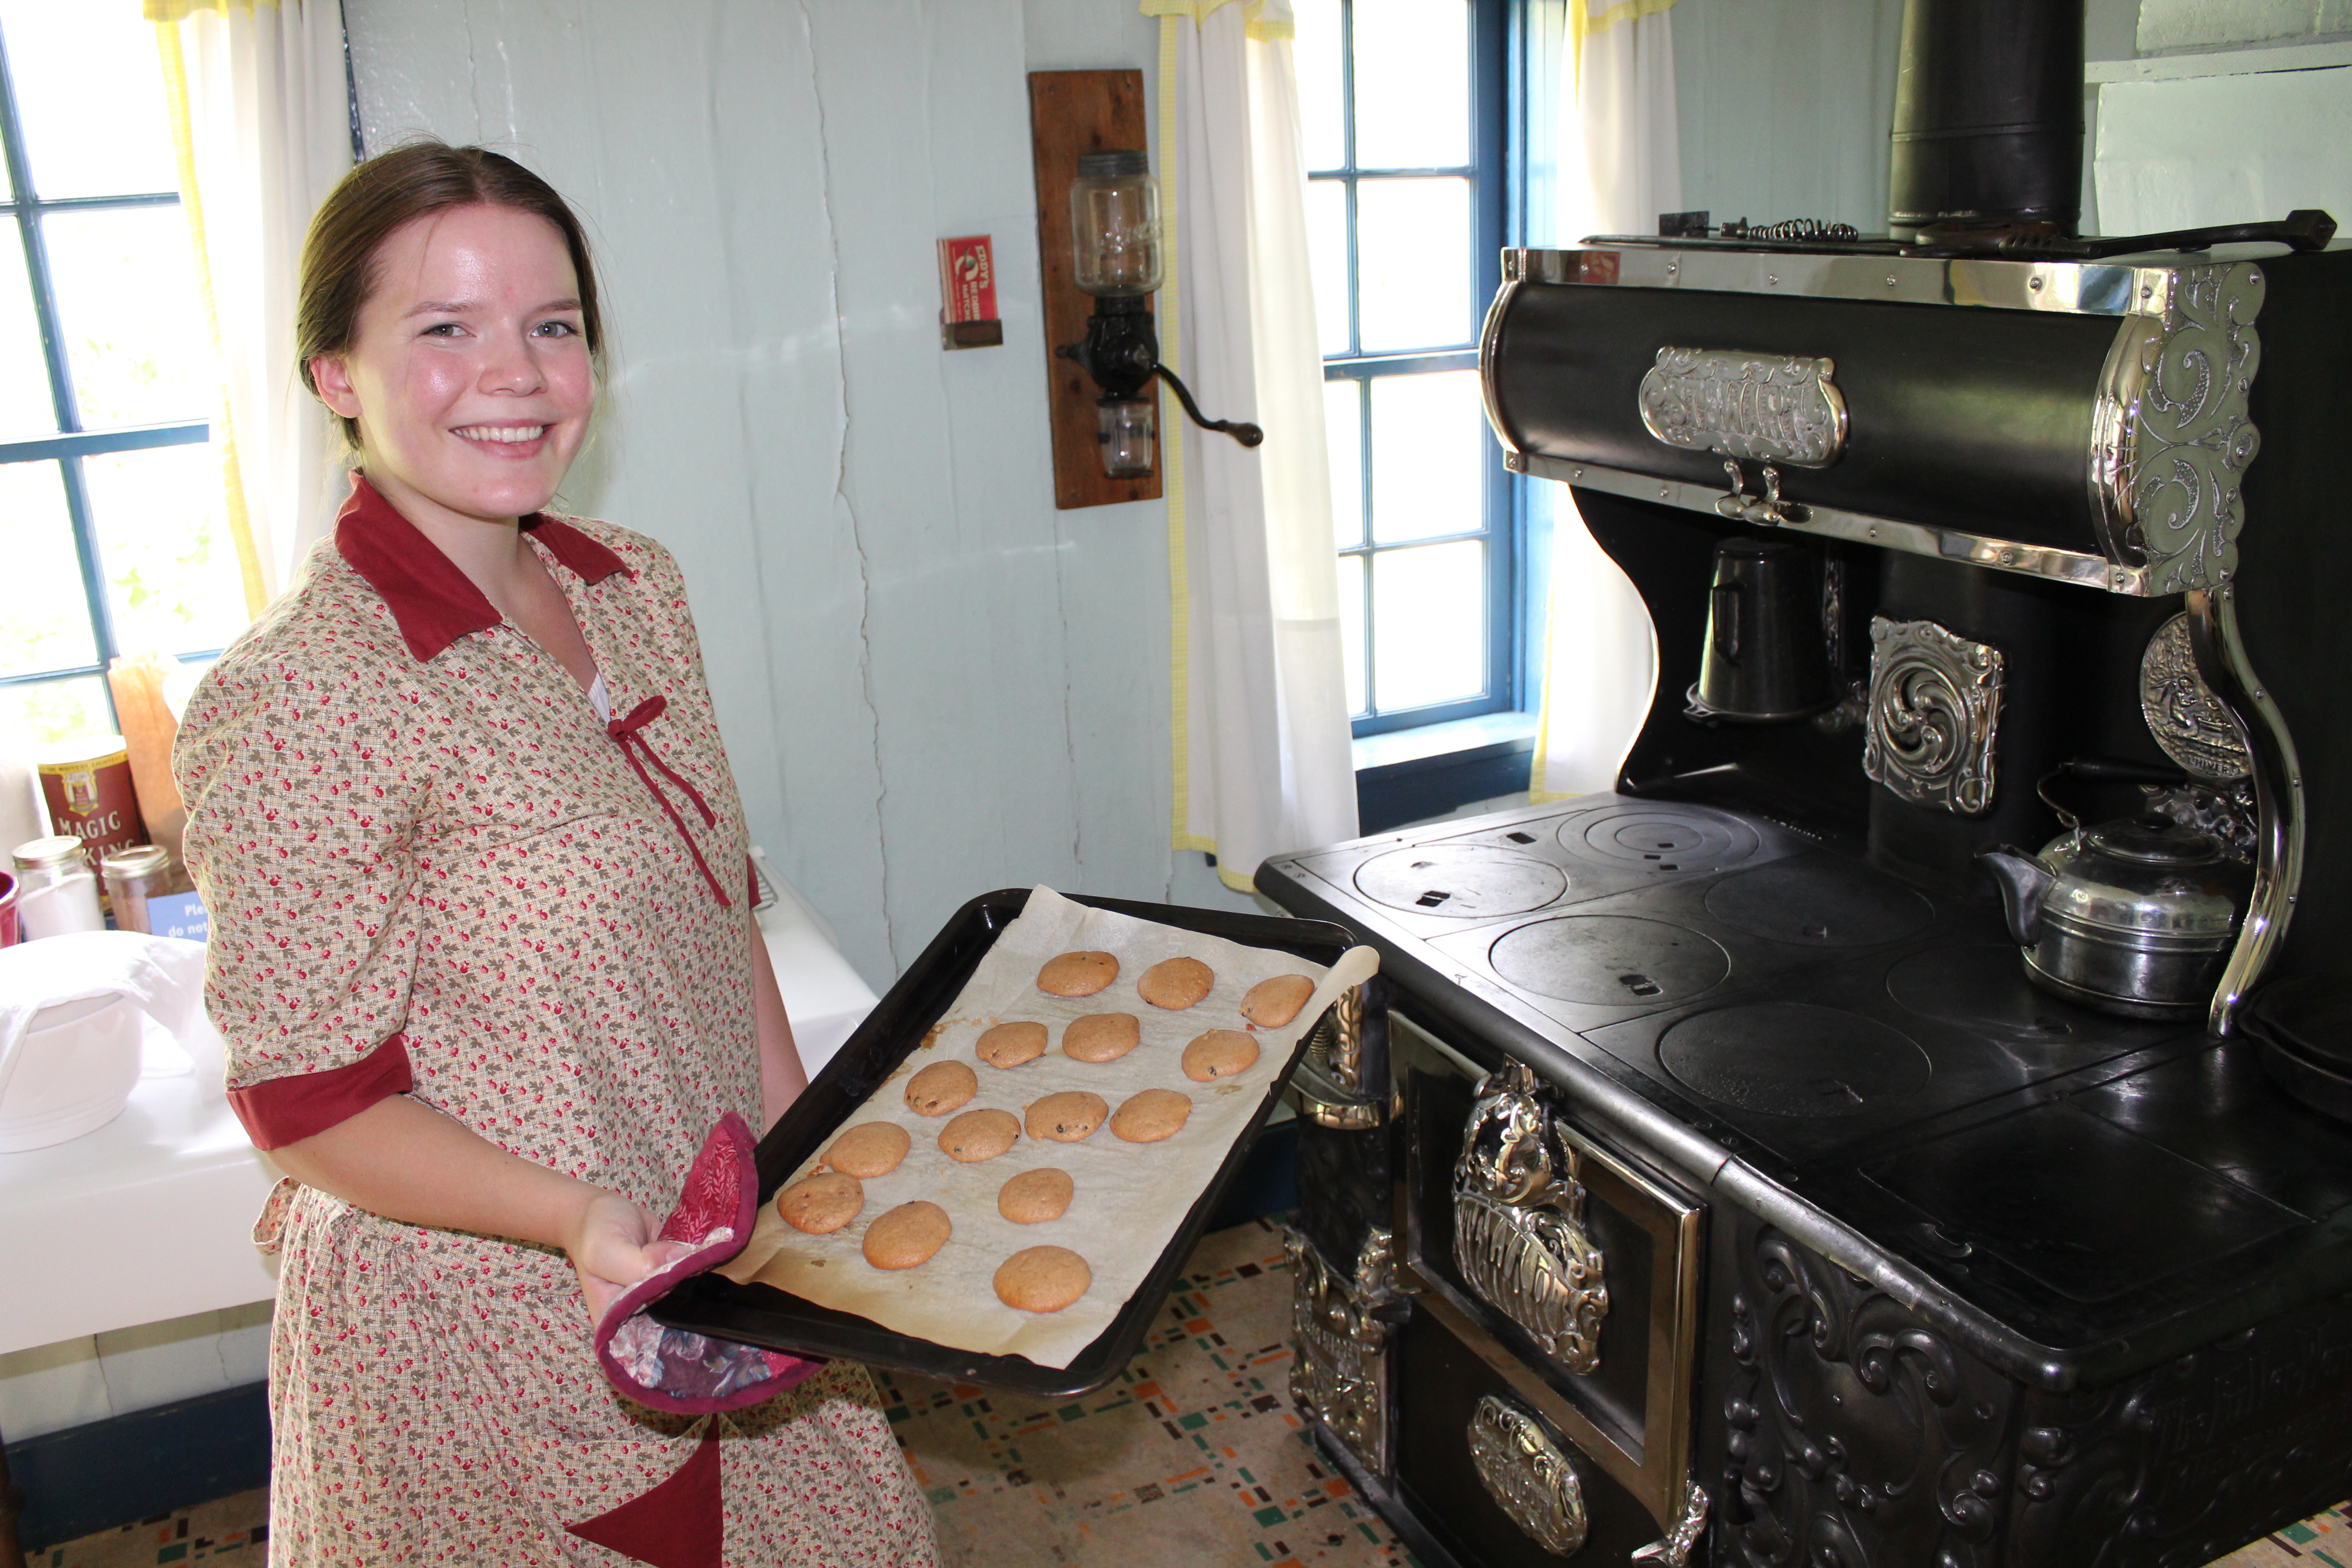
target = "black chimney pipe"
x: 1988, y: 120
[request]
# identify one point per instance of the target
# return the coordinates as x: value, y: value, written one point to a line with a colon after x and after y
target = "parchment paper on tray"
x: 1131, y: 1197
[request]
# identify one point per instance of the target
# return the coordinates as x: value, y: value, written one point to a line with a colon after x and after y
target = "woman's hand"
x: 612, y: 1247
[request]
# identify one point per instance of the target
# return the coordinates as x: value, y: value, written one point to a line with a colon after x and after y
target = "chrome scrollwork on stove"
x: 1673, y: 1549
x: 1773, y: 407
x: 1934, y: 709
x: 1520, y: 1239
x: 2171, y: 439
x: 1344, y: 1058
x: 1528, y: 1475
x: 2187, y: 719
x: 1341, y: 1373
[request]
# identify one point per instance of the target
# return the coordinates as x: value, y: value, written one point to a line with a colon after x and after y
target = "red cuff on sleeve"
x: 751, y: 879
x: 281, y: 1110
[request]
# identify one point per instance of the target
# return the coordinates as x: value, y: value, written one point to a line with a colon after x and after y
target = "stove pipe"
x: 1988, y: 120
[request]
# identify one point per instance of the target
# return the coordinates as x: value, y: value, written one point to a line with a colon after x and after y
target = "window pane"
x: 1343, y: 403
x: 1327, y: 258
x: 44, y: 616
x: 170, y: 566
x: 54, y: 710
x: 1321, y: 109
x: 25, y: 406
x: 1429, y: 454
x: 1412, y: 84
x: 1429, y: 623
x: 1412, y: 259
x: 89, y: 92
x: 135, y: 336
x: 1351, y: 628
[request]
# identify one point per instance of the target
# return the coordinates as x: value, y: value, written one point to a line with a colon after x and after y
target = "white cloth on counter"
x: 163, y: 976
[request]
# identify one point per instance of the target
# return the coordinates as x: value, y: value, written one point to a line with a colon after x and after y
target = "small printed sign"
x: 968, y: 293
x: 178, y: 914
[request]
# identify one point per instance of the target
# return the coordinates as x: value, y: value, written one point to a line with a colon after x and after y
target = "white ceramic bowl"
x: 72, y: 1073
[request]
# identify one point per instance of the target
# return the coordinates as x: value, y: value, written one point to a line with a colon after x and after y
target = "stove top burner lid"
x: 1463, y: 881
x: 1794, y: 1058
x: 1609, y: 961
x: 1662, y: 837
x: 1818, y: 903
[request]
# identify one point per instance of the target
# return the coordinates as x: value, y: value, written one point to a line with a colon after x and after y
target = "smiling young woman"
x: 461, y: 816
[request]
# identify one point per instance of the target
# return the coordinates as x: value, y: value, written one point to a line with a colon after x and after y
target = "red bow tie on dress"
x: 624, y: 731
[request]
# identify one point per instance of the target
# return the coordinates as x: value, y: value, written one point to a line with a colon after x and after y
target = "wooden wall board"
x: 1072, y: 112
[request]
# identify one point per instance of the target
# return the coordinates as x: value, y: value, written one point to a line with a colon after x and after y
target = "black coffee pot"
x: 1766, y: 655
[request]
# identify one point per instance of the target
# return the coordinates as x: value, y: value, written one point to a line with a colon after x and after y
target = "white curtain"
x: 261, y: 115
x: 1604, y: 158
x: 1260, y: 709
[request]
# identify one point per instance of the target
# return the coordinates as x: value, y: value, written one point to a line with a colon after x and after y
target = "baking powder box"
x: 86, y: 785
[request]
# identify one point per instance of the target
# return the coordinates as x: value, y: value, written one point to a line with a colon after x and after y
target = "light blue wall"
x: 932, y: 683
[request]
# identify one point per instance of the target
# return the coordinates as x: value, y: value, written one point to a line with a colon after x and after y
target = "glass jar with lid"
x: 1114, y: 224
x: 57, y: 891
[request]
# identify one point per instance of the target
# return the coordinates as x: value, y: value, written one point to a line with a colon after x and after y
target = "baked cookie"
x: 977, y: 1135
x: 907, y: 1236
x: 1150, y: 1116
x: 1078, y: 973
x: 868, y: 1150
x: 1175, y: 983
x: 1273, y: 1003
x: 1010, y: 1044
x: 1033, y: 1197
x: 1043, y: 1279
x: 940, y: 1088
x: 822, y: 1204
x: 1068, y: 1116
x: 1101, y: 1036
x: 1219, y: 1053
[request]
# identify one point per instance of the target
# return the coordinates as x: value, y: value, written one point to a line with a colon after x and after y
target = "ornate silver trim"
x: 1518, y: 1223
x: 1935, y: 709
x: 2171, y: 438
x: 2065, y: 288
x: 1344, y: 1060
x: 1912, y: 538
x: 1675, y: 1551
x: 1341, y: 1373
x: 1776, y: 408
x: 2281, y: 828
x: 1488, y: 333
x: 1528, y: 1475
x: 2187, y: 720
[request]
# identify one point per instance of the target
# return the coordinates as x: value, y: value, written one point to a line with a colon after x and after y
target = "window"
x: 110, y: 497
x: 1401, y: 104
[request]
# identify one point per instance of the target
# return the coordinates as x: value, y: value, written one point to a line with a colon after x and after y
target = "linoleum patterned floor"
x: 1194, y: 1458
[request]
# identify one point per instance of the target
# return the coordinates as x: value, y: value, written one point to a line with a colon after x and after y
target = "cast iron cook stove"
x: 1716, y: 1186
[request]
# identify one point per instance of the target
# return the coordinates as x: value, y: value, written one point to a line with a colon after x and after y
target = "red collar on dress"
x: 431, y: 601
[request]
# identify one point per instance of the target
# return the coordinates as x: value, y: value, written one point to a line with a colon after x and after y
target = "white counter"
x: 149, y: 1219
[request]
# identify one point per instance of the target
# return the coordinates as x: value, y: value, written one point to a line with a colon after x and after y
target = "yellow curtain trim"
x: 183, y: 149
x: 1199, y: 10
x: 1583, y: 22
x: 180, y: 10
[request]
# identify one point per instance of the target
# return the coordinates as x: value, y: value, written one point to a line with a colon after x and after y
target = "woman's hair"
x: 339, y: 256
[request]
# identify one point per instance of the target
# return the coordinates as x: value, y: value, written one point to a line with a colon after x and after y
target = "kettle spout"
x: 2023, y: 879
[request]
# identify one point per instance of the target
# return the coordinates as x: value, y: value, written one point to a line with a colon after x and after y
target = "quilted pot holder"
x: 689, y: 1374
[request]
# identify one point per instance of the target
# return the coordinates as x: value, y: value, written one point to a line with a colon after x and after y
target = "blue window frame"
x: 1405, y: 101
x: 53, y: 429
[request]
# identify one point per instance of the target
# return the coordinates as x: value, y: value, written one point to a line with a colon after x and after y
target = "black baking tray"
x: 765, y: 1315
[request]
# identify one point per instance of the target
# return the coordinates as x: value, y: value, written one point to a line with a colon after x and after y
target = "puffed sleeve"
x: 298, y: 770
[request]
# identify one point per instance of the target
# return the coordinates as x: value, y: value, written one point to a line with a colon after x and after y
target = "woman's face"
x: 468, y: 376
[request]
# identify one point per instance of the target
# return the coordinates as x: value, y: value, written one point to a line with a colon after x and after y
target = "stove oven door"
x: 1543, y: 1384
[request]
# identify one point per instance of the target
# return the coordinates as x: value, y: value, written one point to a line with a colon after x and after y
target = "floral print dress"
x: 432, y: 868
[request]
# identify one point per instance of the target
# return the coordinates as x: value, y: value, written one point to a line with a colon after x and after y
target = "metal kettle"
x: 2135, y: 916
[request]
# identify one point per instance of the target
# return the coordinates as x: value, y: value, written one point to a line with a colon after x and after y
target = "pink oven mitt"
x: 671, y: 1369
